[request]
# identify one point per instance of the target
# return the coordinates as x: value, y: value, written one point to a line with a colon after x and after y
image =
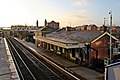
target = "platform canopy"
x: 62, y: 43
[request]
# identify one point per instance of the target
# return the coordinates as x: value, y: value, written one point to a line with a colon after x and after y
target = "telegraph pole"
x: 110, y: 13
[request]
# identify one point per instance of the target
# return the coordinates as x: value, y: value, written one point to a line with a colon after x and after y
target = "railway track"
x: 36, y: 65
x: 28, y: 66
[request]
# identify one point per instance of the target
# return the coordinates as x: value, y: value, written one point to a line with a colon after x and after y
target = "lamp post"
x: 105, y: 21
x: 110, y: 15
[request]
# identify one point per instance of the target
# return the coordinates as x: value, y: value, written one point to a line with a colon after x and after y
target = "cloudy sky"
x: 76, y: 12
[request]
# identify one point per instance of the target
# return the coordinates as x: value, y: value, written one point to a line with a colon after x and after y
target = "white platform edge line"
x: 10, y: 59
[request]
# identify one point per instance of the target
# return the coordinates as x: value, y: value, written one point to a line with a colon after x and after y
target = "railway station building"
x: 80, y: 46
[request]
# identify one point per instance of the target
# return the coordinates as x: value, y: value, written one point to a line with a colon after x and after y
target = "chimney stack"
x: 45, y: 23
x: 37, y: 24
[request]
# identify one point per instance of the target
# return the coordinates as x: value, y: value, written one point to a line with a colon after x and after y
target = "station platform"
x: 84, y: 72
x: 7, y: 68
x: 5, y: 73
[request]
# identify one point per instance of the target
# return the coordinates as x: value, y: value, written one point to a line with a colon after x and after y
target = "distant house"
x: 84, y: 27
x: 103, y: 28
x: 87, y: 27
x: 69, y: 28
x: 52, y: 24
x: 92, y: 27
x: 116, y: 31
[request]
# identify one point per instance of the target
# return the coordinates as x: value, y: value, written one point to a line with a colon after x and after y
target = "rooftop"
x: 79, y: 36
x: 61, y: 40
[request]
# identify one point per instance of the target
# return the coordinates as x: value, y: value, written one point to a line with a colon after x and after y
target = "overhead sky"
x: 76, y: 12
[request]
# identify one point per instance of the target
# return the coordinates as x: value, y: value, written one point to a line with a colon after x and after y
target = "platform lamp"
x: 105, y: 19
x: 110, y: 15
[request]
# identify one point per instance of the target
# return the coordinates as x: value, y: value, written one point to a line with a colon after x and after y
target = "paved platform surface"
x: 85, y: 72
x: 5, y: 73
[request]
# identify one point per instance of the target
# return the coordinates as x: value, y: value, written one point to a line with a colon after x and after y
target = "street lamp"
x: 110, y: 15
x: 105, y: 21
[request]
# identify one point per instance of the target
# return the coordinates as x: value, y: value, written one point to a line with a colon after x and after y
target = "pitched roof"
x: 79, y: 36
x: 106, y: 33
x: 47, y: 28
